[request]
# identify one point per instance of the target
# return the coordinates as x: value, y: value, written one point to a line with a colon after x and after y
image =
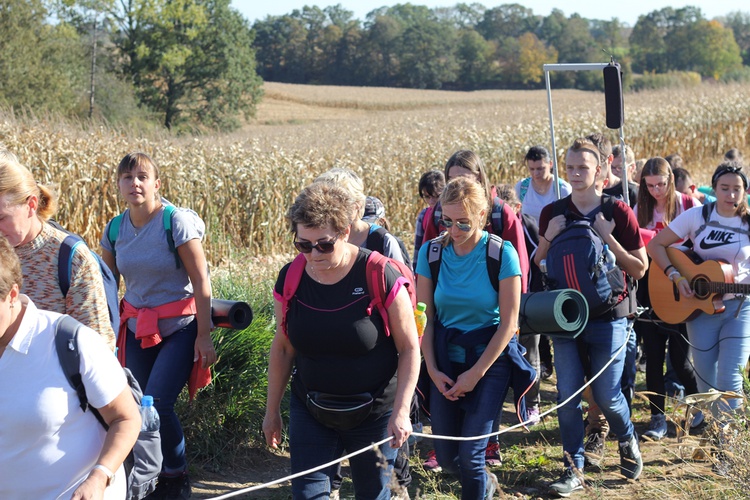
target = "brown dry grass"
x: 242, y: 183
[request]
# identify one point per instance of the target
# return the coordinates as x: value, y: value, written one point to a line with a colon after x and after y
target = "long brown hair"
x: 470, y: 161
x: 647, y: 203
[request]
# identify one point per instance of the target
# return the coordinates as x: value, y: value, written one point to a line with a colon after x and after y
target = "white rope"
x: 431, y: 436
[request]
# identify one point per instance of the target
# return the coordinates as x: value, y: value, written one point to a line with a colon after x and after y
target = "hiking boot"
x: 545, y: 371
x: 492, y: 455
x: 490, y: 485
x: 431, y: 464
x: 631, y: 462
x: 532, y: 416
x: 567, y: 484
x: 172, y: 488
x: 593, y: 449
x: 657, y: 428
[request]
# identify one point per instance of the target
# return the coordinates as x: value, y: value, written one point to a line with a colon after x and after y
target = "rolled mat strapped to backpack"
x: 231, y: 314
x: 557, y: 313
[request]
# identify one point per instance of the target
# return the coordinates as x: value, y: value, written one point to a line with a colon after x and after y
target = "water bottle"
x: 420, y: 318
x: 543, y: 269
x: 149, y: 415
x: 610, y: 261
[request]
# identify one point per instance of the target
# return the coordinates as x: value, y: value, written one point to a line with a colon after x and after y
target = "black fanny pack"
x: 339, y: 412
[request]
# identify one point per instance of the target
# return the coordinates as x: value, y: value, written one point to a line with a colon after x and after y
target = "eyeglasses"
x: 463, y: 226
x: 320, y: 246
x: 660, y: 186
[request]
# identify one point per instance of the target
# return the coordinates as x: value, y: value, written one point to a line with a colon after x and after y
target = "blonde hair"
x: 349, y: 181
x: 471, y: 196
x: 18, y: 184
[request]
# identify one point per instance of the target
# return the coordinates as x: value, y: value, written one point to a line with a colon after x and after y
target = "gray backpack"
x: 143, y: 463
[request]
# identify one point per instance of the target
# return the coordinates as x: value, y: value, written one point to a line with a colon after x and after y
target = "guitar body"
x: 673, y: 308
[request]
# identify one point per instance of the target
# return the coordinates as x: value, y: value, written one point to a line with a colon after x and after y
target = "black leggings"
x: 655, y: 336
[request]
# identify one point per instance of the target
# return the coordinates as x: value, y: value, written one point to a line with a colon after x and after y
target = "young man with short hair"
x: 603, y: 336
x: 537, y: 190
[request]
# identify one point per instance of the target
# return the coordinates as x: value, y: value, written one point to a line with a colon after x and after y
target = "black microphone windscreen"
x: 613, y: 96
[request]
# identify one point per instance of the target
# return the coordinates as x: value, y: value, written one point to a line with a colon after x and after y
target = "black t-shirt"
x: 340, y: 349
x: 618, y: 193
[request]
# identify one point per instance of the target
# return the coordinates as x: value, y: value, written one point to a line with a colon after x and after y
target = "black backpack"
x: 576, y: 259
x: 376, y: 242
x: 143, y: 463
x: 64, y: 268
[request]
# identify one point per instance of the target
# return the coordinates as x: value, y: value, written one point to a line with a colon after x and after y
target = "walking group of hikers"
x: 346, y: 335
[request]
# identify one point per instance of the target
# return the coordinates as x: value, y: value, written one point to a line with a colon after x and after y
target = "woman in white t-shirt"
x: 658, y: 204
x: 720, y: 342
x: 49, y: 447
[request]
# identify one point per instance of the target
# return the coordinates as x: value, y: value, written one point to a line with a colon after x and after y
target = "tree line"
x: 191, y: 65
x: 468, y: 46
x: 186, y: 64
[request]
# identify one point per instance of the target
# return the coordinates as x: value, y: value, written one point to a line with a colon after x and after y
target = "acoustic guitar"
x: 710, y: 280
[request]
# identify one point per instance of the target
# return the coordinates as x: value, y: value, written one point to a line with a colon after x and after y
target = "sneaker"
x: 172, y: 488
x: 567, y: 484
x: 492, y: 455
x: 631, y: 462
x: 431, y: 464
x: 532, y: 416
x: 657, y: 429
x: 698, y: 420
x: 490, y: 485
x: 545, y: 371
x: 593, y: 449
x: 335, y: 495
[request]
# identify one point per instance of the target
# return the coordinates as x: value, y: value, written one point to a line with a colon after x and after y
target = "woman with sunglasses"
x: 470, y: 336
x: 165, y: 325
x: 658, y: 204
x: 339, y: 350
x: 720, y: 343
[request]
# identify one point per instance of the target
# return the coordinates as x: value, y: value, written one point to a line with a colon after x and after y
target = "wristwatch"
x: 110, y: 475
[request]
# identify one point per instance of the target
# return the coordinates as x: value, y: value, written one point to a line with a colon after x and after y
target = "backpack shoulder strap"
x: 434, y: 257
x: 560, y: 207
x: 167, y: 221
x: 376, y: 286
x: 706, y: 214
x: 65, y: 261
x: 66, y: 345
x: 495, y: 259
x: 525, y: 183
x: 114, y: 230
x: 376, y: 238
x: 291, y: 283
x: 608, y: 206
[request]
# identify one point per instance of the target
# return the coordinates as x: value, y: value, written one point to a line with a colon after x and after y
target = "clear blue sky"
x: 627, y: 12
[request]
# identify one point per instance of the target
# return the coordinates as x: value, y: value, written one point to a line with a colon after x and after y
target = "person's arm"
x: 281, y: 361
x: 109, y: 259
x: 192, y: 257
x: 86, y: 299
x: 124, y: 421
x: 633, y: 262
x: 509, y: 301
x: 657, y: 249
x: 425, y: 294
x: 404, y: 332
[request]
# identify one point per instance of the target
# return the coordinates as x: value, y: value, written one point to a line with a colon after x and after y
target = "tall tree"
x: 703, y: 46
x: 739, y: 23
x: 474, y: 57
x: 508, y: 20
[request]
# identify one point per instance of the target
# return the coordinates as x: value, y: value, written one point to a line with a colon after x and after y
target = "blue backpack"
x: 65, y: 266
x: 576, y: 259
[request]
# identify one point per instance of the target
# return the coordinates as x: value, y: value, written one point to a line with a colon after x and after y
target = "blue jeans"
x: 466, y: 458
x: 162, y: 371
x: 720, y: 344
x: 602, y: 339
x: 312, y: 444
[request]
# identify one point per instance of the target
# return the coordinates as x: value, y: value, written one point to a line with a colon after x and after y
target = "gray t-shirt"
x: 148, y: 267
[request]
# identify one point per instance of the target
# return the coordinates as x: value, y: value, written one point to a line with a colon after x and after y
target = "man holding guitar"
x: 711, y: 295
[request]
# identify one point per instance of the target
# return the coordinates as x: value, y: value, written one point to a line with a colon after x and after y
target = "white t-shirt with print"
x: 717, y: 242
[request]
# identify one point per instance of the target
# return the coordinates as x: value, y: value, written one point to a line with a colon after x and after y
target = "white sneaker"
x: 491, y: 485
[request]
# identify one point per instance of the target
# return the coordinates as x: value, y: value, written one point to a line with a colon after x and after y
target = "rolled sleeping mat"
x: 231, y: 314
x: 557, y: 313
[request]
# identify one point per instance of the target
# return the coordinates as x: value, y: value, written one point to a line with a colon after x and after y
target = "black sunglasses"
x: 320, y: 246
x: 463, y: 226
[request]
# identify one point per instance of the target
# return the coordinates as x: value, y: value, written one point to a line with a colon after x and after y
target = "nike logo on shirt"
x: 716, y: 239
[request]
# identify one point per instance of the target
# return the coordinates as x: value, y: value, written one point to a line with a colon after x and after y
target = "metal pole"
x: 552, y: 133
x: 624, y: 178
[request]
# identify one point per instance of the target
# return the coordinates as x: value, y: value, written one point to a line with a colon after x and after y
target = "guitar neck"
x: 738, y: 288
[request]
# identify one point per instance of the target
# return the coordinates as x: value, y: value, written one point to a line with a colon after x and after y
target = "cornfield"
x: 242, y: 184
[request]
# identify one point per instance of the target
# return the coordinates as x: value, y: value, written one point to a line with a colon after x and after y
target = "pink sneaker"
x: 431, y: 464
x: 532, y: 415
x: 492, y: 455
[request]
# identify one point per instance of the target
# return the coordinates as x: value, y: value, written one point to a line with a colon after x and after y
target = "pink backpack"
x: 376, y: 285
